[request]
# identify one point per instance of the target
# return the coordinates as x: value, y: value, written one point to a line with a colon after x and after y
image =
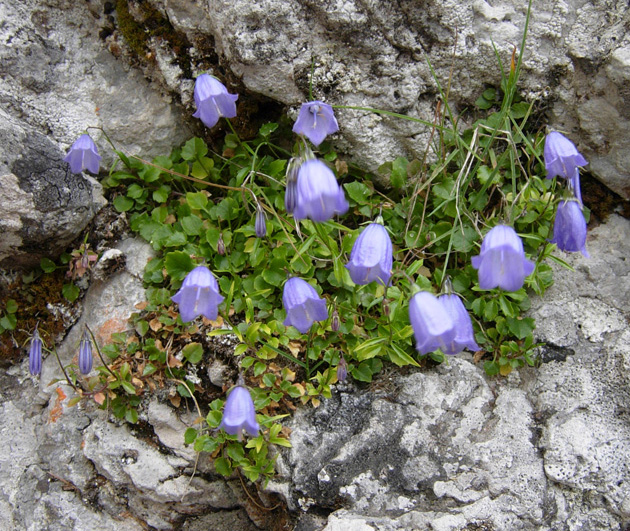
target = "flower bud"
x: 221, y: 245
x: 261, y: 223
x: 342, y: 369
x: 334, y: 323
x: 35, y: 354
x: 85, y: 354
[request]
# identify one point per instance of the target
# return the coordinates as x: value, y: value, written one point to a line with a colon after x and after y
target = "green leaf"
x: 522, y: 327
x: 70, y: 292
x: 201, y: 168
x: 196, y: 200
x: 47, y: 265
x: 149, y: 369
x: 123, y: 203
x: 194, y: 148
x: 491, y: 368
x: 131, y: 415
x: 192, y: 225
x: 128, y: 387
x: 398, y: 356
x: 178, y: 264
x: 190, y: 435
x: 8, y: 321
x: 223, y: 466
x: 398, y: 176
x: 267, y: 129
x: 358, y: 192
x: 12, y: 306
x: 142, y: 327
x: 193, y: 352
x: 362, y: 372
x: 161, y: 194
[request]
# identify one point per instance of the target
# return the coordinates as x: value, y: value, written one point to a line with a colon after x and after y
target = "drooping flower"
x: 85, y: 354
x: 83, y: 155
x: 569, y: 228
x: 213, y: 100
x: 239, y: 413
x: 432, y: 325
x: 371, y: 257
x: 35, y: 354
x: 502, y: 260
x: 319, y: 197
x: 315, y: 121
x: 302, y: 304
x: 464, y: 335
x: 261, y: 223
x: 199, y: 295
x: 561, y: 156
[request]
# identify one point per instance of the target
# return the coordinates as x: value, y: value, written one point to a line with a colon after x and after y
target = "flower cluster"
x: 441, y: 323
x: 562, y: 159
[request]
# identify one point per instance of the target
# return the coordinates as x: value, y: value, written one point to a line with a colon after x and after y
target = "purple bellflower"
x: 35, y: 354
x: 315, y: 121
x: 569, y: 228
x: 502, y: 260
x: 561, y: 156
x: 239, y: 413
x: 85, y: 354
x: 342, y: 369
x: 199, y: 295
x: 319, y: 197
x: 371, y: 257
x: 213, y: 100
x: 302, y: 304
x: 464, y: 336
x: 432, y: 325
x: 83, y: 155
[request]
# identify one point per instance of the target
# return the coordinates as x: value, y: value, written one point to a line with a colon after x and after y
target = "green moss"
x: 154, y: 24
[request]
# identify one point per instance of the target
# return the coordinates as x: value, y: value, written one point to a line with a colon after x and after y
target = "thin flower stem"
x: 98, y: 351
x: 54, y: 351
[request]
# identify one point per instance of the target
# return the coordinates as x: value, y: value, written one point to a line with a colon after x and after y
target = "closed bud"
x: 342, y: 369
x: 221, y: 245
x: 386, y: 308
x: 261, y: 223
x: 35, y: 354
x: 334, y: 323
x: 85, y: 354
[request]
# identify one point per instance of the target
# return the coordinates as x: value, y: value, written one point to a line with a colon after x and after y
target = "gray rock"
x: 448, y: 449
x: 376, y: 54
x: 44, y: 206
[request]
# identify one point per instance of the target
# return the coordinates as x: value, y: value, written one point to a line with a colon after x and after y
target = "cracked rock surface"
x: 547, y: 448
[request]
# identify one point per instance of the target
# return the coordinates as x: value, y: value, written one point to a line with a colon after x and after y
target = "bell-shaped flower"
x: 239, y: 413
x: 315, y: 121
x: 464, y: 335
x: 569, y: 228
x: 213, y: 100
x: 432, y: 325
x: 35, y: 354
x: 319, y: 197
x: 83, y: 155
x: 561, y: 156
x: 371, y: 257
x: 199, y: 295
x: 261, y: 223
x: 302, y: 304
x: 85, y: 354
x: 502, y: 260
x: 342, y: 369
